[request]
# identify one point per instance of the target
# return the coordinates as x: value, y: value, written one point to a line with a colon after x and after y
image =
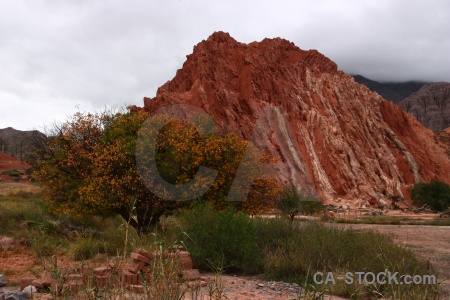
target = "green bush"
x: 436, y: 194
x: 296, y: 254
x: 294, y: 202
x: 294, y: 251
x: 286, y: 252
x: 223, y: 239
x: 12, y: 172
x: 316, y: 247
x: 15, y: 214
x: 41, y: 243
x: 25, y: 215
x: 85, y: 248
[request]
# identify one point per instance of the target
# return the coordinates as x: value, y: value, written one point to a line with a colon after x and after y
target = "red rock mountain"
x: 8, y: 162
x: 430, y: 105
x: 333, y: 134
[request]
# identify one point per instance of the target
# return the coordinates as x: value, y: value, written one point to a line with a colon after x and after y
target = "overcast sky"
x: 60, y: 56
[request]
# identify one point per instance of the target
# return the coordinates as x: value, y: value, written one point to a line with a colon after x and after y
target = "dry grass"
x: 7, y: 188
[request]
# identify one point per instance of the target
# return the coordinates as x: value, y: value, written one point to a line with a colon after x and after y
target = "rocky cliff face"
x: 18, y: 143
x: 430, y: 105
x: 333, y: 134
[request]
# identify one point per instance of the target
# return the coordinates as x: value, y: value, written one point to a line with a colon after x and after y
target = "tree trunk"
x: 147, y: 223
x: 145, y: 219
x: 291, y: 218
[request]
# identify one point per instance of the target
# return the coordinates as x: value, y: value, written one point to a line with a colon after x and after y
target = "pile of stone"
x: 444, y: 214
x: 374, y: 212
x: 114, y: 274
x: 136, y: 271
x: 7, y: 295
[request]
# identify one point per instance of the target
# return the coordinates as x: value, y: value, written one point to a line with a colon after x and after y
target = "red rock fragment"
x: 37, y: 283
x: 56, y: 287
x: 130, y: 278
x: 140, y: 257
x: 102, y: 271
x: 24, y: 282
x: 190, y: 275
x: 185, y: 260
x: 135, y: 267
x: 136, y: 288
x: 145, y: 253
x: 46, y: 279
x: 102, y: 281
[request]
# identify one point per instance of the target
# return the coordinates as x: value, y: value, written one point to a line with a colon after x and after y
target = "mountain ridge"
x: 430, y: 105
x: 391, y: 90
x: 19, y: 143
x: 347, y: 142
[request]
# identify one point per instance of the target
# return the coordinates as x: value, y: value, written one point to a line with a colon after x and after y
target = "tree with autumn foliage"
x: 181, y: 151
x: 65, y: 160
x: 89, y: 166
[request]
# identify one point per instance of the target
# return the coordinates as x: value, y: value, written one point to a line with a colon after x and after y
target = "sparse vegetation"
x: 26, y: 216
x: 393, y: 220
x: 222, y: 239
x: 284, y: 252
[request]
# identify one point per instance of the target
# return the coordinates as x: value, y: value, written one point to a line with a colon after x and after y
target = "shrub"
x: 12, y: 172
x: 314, y: 247
x: 286, y: 252
x: 14, y: 213
x: 85, y: 248
x: 294, y: 202
x: 436, y: 194
x: 41, y: 243
x: 317, y: 247
x: 220, y: 239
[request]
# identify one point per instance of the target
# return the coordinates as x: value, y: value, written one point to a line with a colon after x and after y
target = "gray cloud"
x: 56, y: 56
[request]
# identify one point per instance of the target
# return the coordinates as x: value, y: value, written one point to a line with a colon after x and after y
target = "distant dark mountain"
x: 393, y: 91
x: 430, y: 105
x: 18, y: 143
